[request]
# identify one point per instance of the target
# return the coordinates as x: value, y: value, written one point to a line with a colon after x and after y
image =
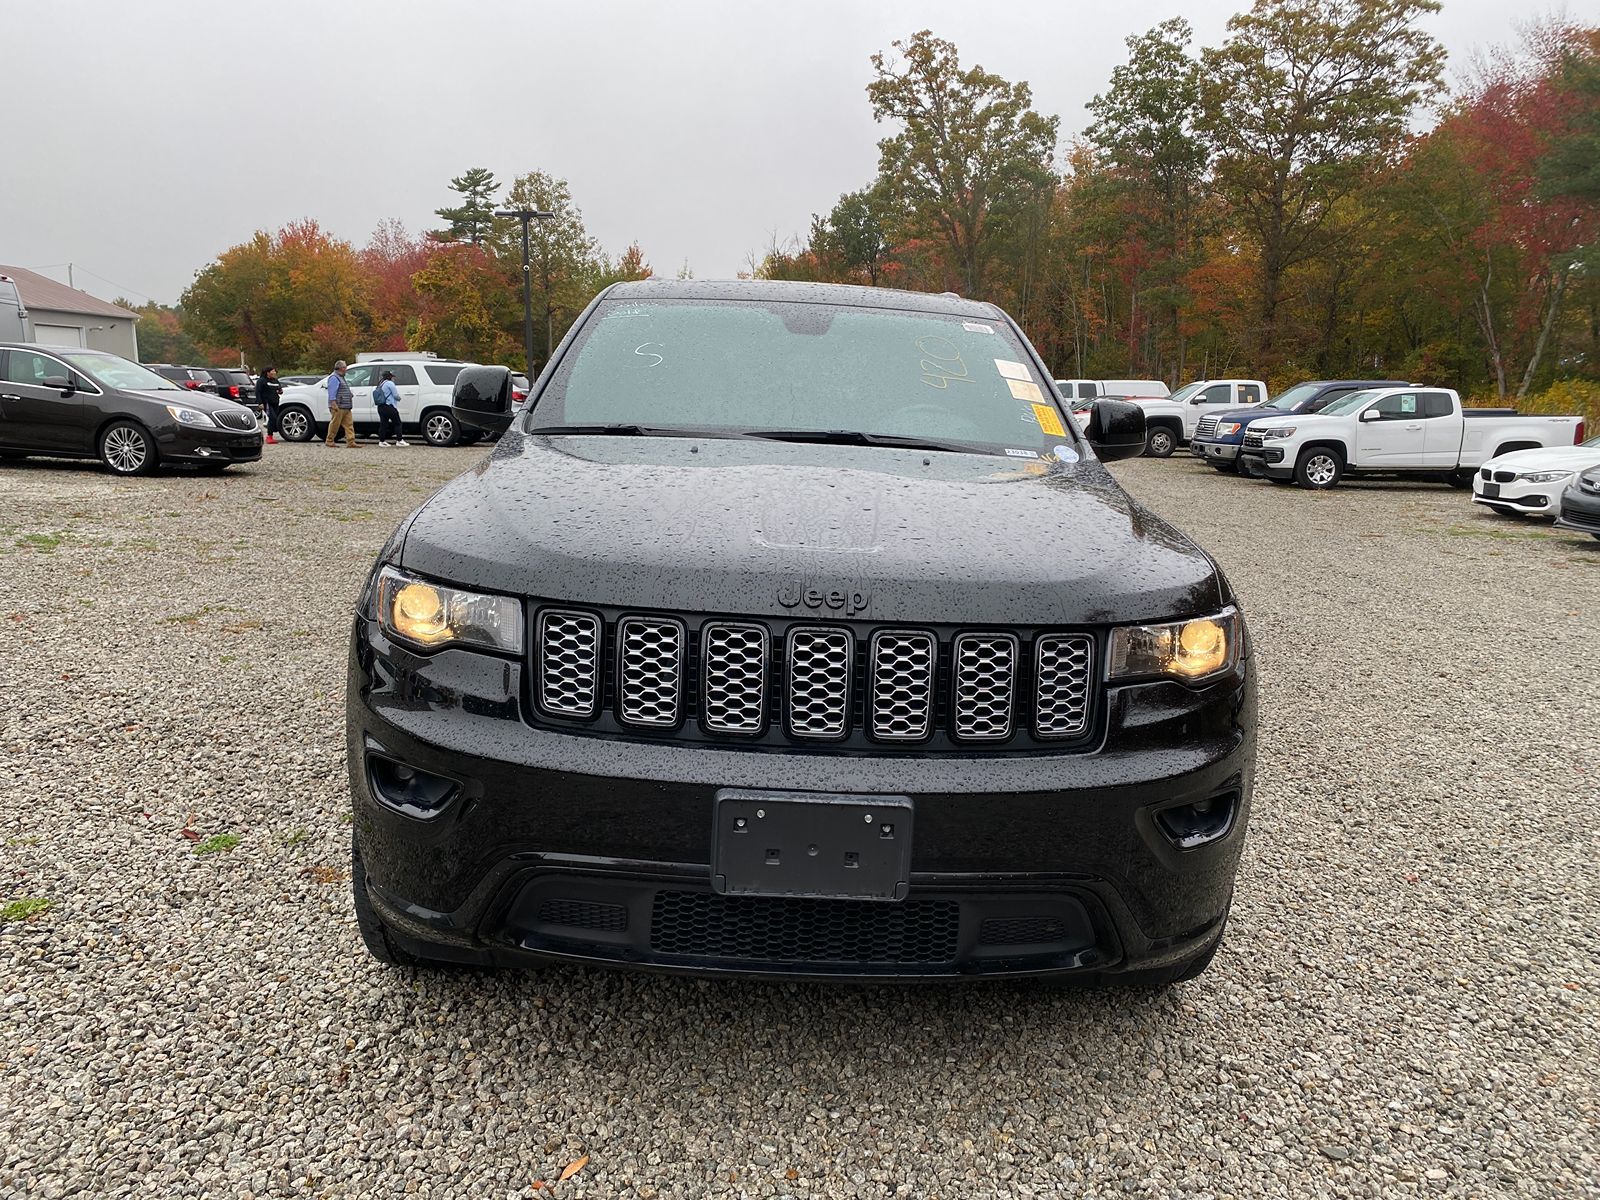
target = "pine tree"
x: 470, y: 220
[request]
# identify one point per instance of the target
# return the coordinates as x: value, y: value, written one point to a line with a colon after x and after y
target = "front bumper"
x: 1579, y: 510
x: 1269, y: 462
x: 550, y: 845
x: 1215, y: 452
x: 192, y: 444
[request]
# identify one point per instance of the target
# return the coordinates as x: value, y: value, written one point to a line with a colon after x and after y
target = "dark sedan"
x: 90, y: 404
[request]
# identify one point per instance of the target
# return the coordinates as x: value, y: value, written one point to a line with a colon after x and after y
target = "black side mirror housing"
x: 1115, y: 430
x: 61, y: 384
x: 482, y: 398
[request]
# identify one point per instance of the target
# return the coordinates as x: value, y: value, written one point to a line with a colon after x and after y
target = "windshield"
x: 110, y: 371
x: 1299, y: 394
x: 734, y: 367
x: 1346, y: 404
x: 1186, y: 391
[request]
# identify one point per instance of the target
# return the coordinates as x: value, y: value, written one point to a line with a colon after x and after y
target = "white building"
x: 64, y: 316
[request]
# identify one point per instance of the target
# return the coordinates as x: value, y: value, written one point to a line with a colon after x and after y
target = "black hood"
x: 748, y: 526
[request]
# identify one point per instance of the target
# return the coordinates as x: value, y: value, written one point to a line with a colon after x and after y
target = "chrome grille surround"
x: 1207, y: 427
x: 984, y: 687
x: 239, y: 422
x: 900, y: 698
x: 733, y: 686
x: 650, y: 653
x: 821, y: 663
x: 569, y: 663
x: 1063, y: 684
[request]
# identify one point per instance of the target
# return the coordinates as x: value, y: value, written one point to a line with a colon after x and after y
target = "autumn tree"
x: 1146, y: 128
x: 857, y: 232
x: 390, y: 259
x: 1301, y: 103
x: 566, y: 264
x: 471, y: 220
x: 970, y: 154
x: 162, y: 335
x: 468, y: 306
x: 295, y: 297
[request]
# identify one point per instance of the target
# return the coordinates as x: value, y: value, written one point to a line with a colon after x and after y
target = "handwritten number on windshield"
x: 943, y: 362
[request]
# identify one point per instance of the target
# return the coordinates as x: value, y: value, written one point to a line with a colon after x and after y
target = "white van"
x: 14, y: 325
x: 1135, y: 389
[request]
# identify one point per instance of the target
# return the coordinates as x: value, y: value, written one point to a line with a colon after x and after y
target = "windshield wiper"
x: 854, y: 437
x: 628, y: 430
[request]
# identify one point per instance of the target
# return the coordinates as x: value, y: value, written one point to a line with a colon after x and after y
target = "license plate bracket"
x: 823, y: 846
x: 1491, y: 490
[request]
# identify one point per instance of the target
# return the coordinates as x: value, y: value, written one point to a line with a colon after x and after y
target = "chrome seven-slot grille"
x: 810, y: 684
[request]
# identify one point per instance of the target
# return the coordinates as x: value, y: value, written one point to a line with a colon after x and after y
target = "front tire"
x: 1319, y: 468
x: 126, y: 448
x: 439, y: 428
x: 295, y: 424
x: 1160, y: 442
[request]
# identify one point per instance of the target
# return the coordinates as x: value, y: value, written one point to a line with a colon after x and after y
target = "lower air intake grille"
x: 584, y: 914
x: 783, y: 930
x: 1020, y: 931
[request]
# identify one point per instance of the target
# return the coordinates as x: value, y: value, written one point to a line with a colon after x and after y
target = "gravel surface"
x: 1406, y: 1003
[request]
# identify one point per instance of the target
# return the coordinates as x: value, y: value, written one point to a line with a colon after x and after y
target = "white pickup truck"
x: 1171, y: 421
x: 1396, y: 431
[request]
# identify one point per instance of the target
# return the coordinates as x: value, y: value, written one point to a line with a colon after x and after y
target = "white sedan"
x: 1530, y: 482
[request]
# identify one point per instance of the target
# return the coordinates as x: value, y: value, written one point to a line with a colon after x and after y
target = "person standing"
x: 340, y: 404
x: 268, y: 392
x: 387, y: 397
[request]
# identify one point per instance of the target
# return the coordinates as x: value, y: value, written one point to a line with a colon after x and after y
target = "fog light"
x: 1195, y: 824
x: 408, y: 789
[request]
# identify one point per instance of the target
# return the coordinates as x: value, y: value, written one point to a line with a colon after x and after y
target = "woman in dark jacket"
x: 268, y: 389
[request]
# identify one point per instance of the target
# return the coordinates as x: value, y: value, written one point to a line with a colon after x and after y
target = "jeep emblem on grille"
x: 792, y: 595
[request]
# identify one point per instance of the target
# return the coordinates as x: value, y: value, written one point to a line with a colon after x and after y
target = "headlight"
x: 1282, y: 431
x: 430, y: 615
x: 1187, y: 650
x: 1543, y: 476
x: 1228, y: 428
x: 189, y: 416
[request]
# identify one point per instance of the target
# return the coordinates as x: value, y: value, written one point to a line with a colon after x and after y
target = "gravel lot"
x: 1406, y: 1004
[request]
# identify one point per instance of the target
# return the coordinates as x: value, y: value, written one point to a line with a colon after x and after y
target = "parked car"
x: 1171, y: 421
x: 1396, y: 431
x: 90, y: 404
x: 1219, y: 435
x: 194, y: 379
x: 1580, y: 503
x: 423, y: 383
x: 1530, y: 482
x: 1073, y: 390
x: 858, y: 676
x: 231, y: 383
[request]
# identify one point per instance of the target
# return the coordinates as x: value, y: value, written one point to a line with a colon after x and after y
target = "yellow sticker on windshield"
x: 1023, y: 390
x: 1048, y: 421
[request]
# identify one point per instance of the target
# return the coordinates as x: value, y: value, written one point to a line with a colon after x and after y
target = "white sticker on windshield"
x: 974, y: 327
x: 1011, y: 370
x: 1066, y: 454
x: 1022, y: 453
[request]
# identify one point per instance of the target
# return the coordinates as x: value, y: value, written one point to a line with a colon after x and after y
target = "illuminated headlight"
x: 1282, y: 431
x: 430, y: 615
x: 1227, y: 428
x: 1186, y: 650
x: 190, y: 416
x: 1543, y: 476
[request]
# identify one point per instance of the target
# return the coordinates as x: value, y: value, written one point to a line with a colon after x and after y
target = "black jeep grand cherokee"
x: 795, y: 630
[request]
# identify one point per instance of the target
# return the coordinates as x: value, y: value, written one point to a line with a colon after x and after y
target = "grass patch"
x: 21, y: 910
x: 293, y: 838
x: 1500, y: 535
x: 44, y: 542
x: 26, y: 840
x: 217, y: 843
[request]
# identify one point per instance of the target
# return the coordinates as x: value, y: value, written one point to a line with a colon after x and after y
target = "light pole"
x: 525, y: 215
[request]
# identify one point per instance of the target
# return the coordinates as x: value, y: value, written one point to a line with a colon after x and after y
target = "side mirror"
x: 1371, y: 414
x: 1115, y: 430
x: 482, y: 397
x: 61, y: 384
x: 1198, y: 400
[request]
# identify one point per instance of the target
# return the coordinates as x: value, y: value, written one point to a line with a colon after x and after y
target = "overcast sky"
x: 143, y: 139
